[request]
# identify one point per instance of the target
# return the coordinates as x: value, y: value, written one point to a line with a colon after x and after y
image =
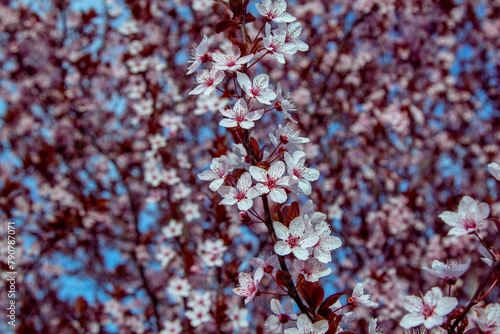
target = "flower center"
x: 293, y: 241
x: 284, y: 318
x: 469, y: 223
x: 240, y: 195
x: 271, y: 183
x: 427, y: 311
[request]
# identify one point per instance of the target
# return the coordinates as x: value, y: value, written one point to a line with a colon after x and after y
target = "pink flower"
x: 281, y: 316
x: 326, y: 242
x: 199, y: 55
x: 268, y: 266
x: 305, y: 326
x: 373, y: 328
x: 239, y: 115
x: 230, y: 60
x: 289, y: 136
x: 171, y: 327
x: 489, y: 319
x: 448, y: 271
x: 294, y: 239
x: 259, y: 89
x: 284, y: 103
x: 429, y: 310
x: 469, y: 218
x: 274, y: 42
x: 219, y: 170
x: 312, y: 269
x: 293, y: 31
x: 173, y: 229
x: 494, y: 169
x: 299, y: 172
x: 242, y: 195
x: 249, y: 286
x: 274, y: 11
x: 238, y: 317
x: 178, y: 287
x: 271, y: 181
x: 207, y: 80
x: 198, y: 315
x: 361, y: 298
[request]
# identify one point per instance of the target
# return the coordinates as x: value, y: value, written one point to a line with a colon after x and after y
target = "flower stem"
x: 475, y: 299
x: 292, y: 292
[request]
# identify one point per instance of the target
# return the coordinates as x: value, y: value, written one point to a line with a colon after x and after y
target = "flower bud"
x: 244, y: 217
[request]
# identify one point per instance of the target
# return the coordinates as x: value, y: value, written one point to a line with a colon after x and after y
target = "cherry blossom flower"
x: 373, y: 328
x: 198, y: 315
x: 284, y: 103
x: 208, y: 80
x: 219, y: 170
x: 274, y: 42
x: 288, y: 136
x: 238, y: 317
x: 469, y: 218
x: 199, y: 55
x: 199, y: 299
x: 360, y: 298
x: 305, y: 326
x: 326, y: 242
x: 171, y: 122
x: 429, y: 310
x: 191, y: 211
x: 489, y: 319
x: 293, y: 31
x: 274, y: 10
x: 241, y: 195
x: 294, y: 239
x: 171, y: 327
x: 494, y: 169
x: 239, y: 115
x: 170, y: 177
x: 299, y: 172
x: 269, y: 266
x: 271, y: 181
x: 135, y: 47
x: 230, y: 60
x: 157, y: 141
x: 202, y: 5
x: 137, y: 65
x: 165, y: 255
x: 143, y: 107
x: 259, y: 89
x: 282, y: 315
x: 448, y: 271
x: 153, y: 176
x: 211, y: 252
x: 312, y: 269
x: 249, y: 286
x: 178, y: 287
x: 487, y: 256
x: 172, y: 230
x: 211, y: 103
x: 238, y: 156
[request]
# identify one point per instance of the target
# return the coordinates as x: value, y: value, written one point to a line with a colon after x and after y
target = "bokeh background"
x: 399, y: 98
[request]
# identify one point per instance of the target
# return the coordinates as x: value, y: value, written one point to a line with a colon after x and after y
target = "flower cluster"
x: 250, y: 172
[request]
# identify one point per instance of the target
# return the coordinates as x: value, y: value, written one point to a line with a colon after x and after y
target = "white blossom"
x: 429, y: 310
x: 258, y: 88
x: 294, y: 239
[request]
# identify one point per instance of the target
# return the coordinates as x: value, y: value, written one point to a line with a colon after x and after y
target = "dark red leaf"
x: 333, y: 298
x: 250, y: 18
x: 284, y: 279
x: 223, y: 25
